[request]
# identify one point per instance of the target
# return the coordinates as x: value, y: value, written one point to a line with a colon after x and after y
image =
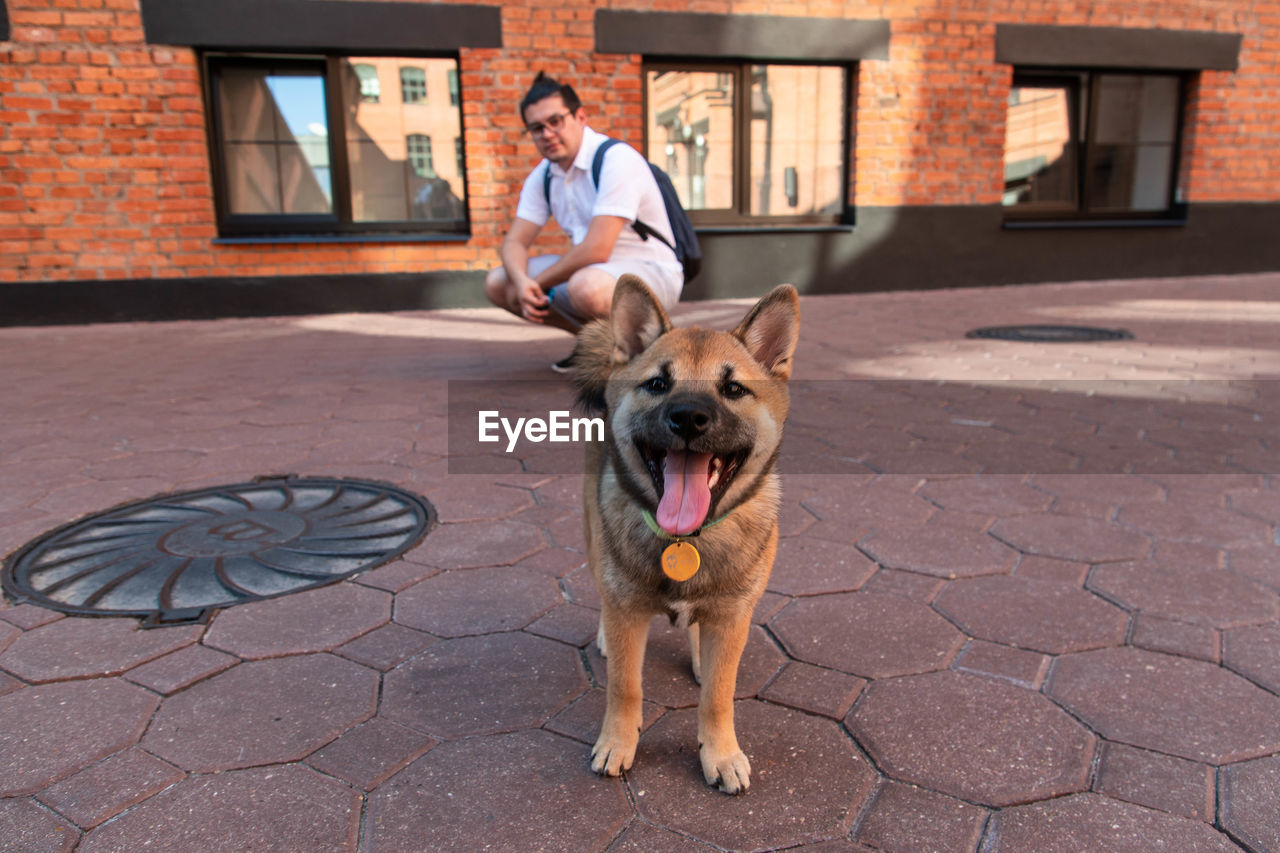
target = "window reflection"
x: 276, y: 142
x: 1039, y: 154
x: 691, y: 134
x: 1081, y: 143
x: 743, y: 141
x: 390, y: 145
x: 797, y: 139
x: 1133, y: 156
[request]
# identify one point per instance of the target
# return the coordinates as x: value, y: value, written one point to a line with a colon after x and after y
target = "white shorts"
x: 665, y: 283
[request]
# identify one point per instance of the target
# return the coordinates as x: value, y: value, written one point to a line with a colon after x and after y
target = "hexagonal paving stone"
x: 945, y: 552
x: 906, y: 818
x: 814, y: 689
x: 1205, y: 596
x: 1263, y: 504
x: 29, y: 828
x: 809, y: 566
x: 1195, y: 522
x: 385, y: 647
x: 270, y: 808
x: 475, y: 544
x: 1041, y: 615
x: 647, y: 838
x: 580, y: 588
x: 1111, y: 489
x: 847, y: 511
x: 1091, y: 822
x: 529, y: 790
x: 1158, y: 634
x: 1026, y: 669
x: 84, y: 647
x: 1157, y: 781
x: 54, y: 730
x: 263, y: 712
x: 974, y: 738
x: 1257, y: 562
x: 314, y: 620
x: 807, y: 780
x: 1070, y: 538
x: 8, y: 633
x: 995, y: 494
x: 1250, y: 792
x: 105, y: 789
x: 874, y: 636
x: 471, y: 498
x: 183, y: 668
x: 467, y: 601
x: 475, y: 685
x: 371, y: 753
x: 1255, y: 653
x: 581, y: 719
x: 1182, y: 707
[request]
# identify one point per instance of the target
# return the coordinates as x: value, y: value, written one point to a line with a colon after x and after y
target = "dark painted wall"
x: 888, y: 249
x: 932, y: 247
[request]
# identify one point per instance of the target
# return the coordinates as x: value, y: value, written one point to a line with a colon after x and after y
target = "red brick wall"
x: 104, y: 169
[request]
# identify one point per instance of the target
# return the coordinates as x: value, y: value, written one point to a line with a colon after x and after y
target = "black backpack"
x: 686, y: 247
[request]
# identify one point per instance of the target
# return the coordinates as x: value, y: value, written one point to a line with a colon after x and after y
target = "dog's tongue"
x: 686, y: 498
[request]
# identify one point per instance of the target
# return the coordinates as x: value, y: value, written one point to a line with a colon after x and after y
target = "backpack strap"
x: 597, y: 164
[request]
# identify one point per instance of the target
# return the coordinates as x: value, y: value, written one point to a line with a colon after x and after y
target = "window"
x: 413, y: 85
x: 419, y: 149
x: 370, y: 89
x: 454, y: 95
x: 299, y: 147
x: 1086, y: 145
x: 750, y: 143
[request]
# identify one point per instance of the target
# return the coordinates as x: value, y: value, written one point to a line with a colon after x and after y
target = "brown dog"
x: 680, y: 500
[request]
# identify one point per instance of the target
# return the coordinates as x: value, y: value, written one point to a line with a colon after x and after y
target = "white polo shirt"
x: 627, y: 190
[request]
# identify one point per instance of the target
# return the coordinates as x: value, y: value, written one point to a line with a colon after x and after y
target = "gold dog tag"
x: 680, y: 561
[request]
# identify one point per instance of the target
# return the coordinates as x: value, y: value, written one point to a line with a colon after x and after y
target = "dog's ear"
x: 636, y: 318
x: 771, y: 329
x: 591, y: 364
x: 635, y: 321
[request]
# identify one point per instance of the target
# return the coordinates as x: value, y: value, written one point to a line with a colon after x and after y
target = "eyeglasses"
x: 554, y: 122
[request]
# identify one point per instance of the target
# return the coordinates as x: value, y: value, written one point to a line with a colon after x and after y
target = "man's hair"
x: 544, y: 87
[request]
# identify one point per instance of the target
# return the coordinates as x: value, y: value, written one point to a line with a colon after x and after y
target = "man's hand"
x: 533, y: 302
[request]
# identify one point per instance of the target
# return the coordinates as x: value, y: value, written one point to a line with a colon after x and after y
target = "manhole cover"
x: 1051, y: 334
x: 176, y: 558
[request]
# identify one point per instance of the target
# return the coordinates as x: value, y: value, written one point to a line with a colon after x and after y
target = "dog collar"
x: 662, y: 534
x: 680, y: 559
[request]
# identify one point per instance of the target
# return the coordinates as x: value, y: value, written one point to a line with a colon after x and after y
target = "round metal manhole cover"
x: 1051, y: 334
x: 176, y: 558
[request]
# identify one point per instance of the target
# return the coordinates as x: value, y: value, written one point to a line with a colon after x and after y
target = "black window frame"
x: 341, y: 222
x: 1085, y: 82
x: 739, y: 216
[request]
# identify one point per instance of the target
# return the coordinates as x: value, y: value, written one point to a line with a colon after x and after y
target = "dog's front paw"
x: 730, y: 771
x: 613, y: 753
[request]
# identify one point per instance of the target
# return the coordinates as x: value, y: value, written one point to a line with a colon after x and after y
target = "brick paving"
x: 1027, y: 595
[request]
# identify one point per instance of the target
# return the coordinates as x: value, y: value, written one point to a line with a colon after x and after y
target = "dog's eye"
x: 657, y: 385
x: 734, y: 390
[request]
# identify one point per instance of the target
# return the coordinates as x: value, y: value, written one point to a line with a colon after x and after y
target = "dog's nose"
x: 689, y: 421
